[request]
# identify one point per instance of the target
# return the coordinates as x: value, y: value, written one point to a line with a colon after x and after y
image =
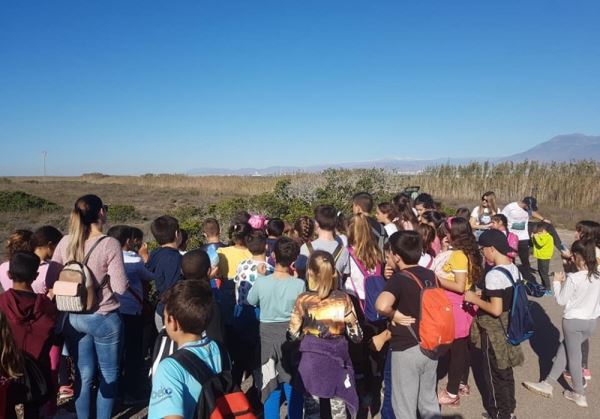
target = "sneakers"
x: 542, y: 388
x: 549, y: 293
x: 587, y: 374
x: 464, y: 390
x: 446, y: 400
x: 65, y: 395
x: 486, y: 415
x: 569, y: 379
x: 578, y: 399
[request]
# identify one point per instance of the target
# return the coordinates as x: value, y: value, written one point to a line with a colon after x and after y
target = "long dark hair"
x: 586, y: 248
x: 85, y: 213
x: 589, y: 230
x: 462, y: 238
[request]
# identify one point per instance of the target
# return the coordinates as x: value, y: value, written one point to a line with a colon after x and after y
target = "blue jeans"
x: 294, y: 398
x: 94, y: 341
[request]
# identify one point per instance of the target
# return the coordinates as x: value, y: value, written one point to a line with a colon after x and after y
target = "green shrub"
x: 122, y: 213
x: 5, y: 181
x: 15, y: 201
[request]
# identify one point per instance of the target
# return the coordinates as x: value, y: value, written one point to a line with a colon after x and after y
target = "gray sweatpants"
x: 414, y: 385
x: 575, y: 331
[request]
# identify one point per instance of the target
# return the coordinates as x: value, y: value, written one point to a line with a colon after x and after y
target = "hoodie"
x: 31, y: 318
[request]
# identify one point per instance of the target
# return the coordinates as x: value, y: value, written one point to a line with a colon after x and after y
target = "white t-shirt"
x: 484, y: 219
x: 496, y: 280
x: 518, y: 219
x: 580, y: 295
x: 426, y: 261
x: 390, y: 229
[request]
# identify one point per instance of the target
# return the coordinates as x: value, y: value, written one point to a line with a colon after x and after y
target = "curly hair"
x: 305, y: 228
x: 462, y: 238
x: 18, y: 241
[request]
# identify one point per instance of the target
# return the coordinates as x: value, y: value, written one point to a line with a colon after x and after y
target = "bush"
x: 122, y: 213
x: 15, y: 201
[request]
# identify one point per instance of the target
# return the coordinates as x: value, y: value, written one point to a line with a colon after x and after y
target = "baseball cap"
x: 495, y: 238
x: 531, y: 203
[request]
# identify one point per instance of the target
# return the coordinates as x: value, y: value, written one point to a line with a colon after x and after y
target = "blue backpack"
x: 520, y: 320
x: 373, y: 285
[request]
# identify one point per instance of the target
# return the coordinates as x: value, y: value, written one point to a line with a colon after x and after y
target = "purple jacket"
x: 326, y: 371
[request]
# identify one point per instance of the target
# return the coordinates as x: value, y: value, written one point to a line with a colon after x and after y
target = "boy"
x: 413, y: 374
x: 175, y: 393
x: 362, y: 203
x: 423, y: 203
x: 275, y: 229
x: 131, y: 303
x: 165, y: 262
x: 276, y: 295
x: 543, y: 248
x: 212, y: 235
x: 488, y: 334
x: 325, y: 223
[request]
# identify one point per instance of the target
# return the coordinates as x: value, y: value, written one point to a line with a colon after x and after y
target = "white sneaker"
x: 542, y: 388
x: 578, y: 399
x: 486, y: 415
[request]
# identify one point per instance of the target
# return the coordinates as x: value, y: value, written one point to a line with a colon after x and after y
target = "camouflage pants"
x: 313, y: 406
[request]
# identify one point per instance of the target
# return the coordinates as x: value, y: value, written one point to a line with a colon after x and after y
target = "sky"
x: 133, y: 87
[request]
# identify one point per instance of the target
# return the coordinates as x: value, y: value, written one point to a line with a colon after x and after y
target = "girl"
x: 12, y: 368
x: 428, y: 235
x: 579, y: 292
x: 386, y: 214
x: 463, y: 269
x: 323, y: 316
x: 365, y: 260
x: 17, y: 241
x: 304, y: 230
x: 435, y: 219
x: 481, y: 215
x: 93, y: 339
x: 43, y: 243
x: 231, y: 256
x: 404, y: 213
x: 499, y: 222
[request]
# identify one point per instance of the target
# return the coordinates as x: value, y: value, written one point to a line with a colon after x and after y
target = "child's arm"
x: 384, y: 306
x: 458, y: 285
x: 295, y: 327
x: 563, y: 288
x: 253, y: 297
x: 493, y: 307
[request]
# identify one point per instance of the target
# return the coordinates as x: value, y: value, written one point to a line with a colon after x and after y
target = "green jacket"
x: 543, y: 246
x: 507, y: 355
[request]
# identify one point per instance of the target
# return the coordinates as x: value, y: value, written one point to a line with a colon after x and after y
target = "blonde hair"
x: 362, y: 240
x: 85, y: 213
x: 12, y: 365
x: 322, y: 276
x: 491, y: 201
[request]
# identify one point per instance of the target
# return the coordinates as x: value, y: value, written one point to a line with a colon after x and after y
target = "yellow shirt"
x: 229, y: 259
x: 458, y: 263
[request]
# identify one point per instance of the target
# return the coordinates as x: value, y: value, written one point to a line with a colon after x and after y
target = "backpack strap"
x: 89, y: 253
x: 412, y: 276
x: 197, y: 367
x: 506, y: 273
x: 310, y: 248
x: 337, y: 252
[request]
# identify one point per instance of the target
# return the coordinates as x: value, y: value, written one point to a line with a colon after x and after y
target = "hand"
x: 545, y: 220
x: 559, y: 276
x: 471, y: 297
x: 388, y: 272
x: 143, y: 252
x: 401, y: 319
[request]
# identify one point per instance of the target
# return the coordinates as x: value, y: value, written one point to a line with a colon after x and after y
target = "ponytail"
x: 85, y: 213
x: 322, y: 276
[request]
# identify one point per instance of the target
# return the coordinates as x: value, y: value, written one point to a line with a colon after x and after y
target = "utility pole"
x: 45, y: 154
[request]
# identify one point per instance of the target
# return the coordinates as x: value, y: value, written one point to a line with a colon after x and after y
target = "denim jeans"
x: 94, y: 343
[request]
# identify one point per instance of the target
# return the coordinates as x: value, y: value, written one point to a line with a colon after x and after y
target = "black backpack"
x: 220, y: 397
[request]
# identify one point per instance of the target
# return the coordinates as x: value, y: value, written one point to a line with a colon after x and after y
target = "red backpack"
x: 436, y: 323
x: 219, y: 398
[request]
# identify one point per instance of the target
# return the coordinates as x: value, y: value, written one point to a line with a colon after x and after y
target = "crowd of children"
x: 322, y: 316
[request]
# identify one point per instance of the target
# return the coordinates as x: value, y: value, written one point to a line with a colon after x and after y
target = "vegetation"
x: 122, y: 213
x: 19, y: 201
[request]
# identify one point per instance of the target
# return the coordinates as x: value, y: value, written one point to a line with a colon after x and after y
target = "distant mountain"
x: 560, y: 148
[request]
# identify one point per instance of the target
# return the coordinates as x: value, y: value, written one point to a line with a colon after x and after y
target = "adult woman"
x: 94, y: 338
x: 481, y: 217
x: 463, y: 269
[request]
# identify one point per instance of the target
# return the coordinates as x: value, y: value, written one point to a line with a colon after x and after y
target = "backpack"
x: 520, y: 321
x: 220, y: 397
x: 373, y: 284
x: 336, y: 252
x: 34, y: 384
x: 76, y: 290
x: 436, y: 322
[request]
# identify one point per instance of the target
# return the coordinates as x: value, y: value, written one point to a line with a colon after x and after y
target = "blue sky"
x: 168, y: 86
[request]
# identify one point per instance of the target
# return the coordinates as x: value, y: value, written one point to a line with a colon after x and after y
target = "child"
x: 275, y: 295
x: 488, y: 330
x: 462, y: 213
x: 231, y: 256
x: 304, y: 230
x: 362, y: 203
x: 131, y: 303
x: 325, y: 316
x: 20, y: 240
x: 499, y: 222
x: 580, y: 294
x: 245, y: 351
x: 12, y: 369
x: 543, y: 248
x: 275, y: 228
x: 428, y: 236
x: 165, y: 262
x: 413, y: 374
x: 31, y: 316
x: 212, y: 242
x: 325, y: 222
x: 175, y: 393
x: 385, y: 214
x: 43, y: 242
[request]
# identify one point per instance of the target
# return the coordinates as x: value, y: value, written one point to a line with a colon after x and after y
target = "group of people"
x: 321, y: 316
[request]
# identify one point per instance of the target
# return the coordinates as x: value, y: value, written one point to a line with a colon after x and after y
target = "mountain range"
x: 562, y: 148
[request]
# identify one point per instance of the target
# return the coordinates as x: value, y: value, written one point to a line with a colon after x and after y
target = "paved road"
x: 538, y: 356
